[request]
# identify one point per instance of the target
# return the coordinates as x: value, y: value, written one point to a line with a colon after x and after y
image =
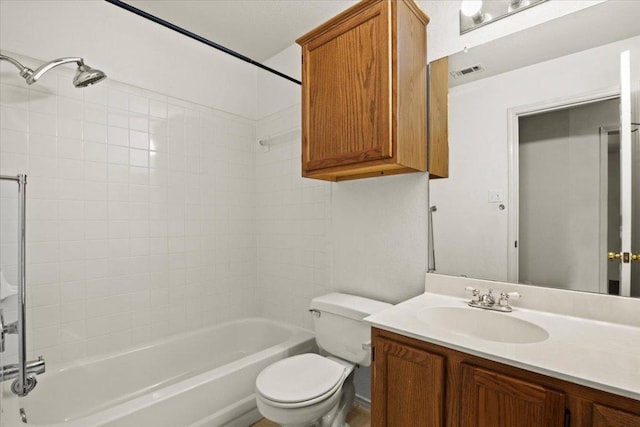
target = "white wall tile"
x: 45, y: 124
x: 118, y: 155
x: 70, y: 108
x: 42, y: 145
x: 14, y: 118
x: 118, y: 136
x: 95, y: 114
x: 14, y: 142
x: 94, y: 132
x: 69, y: 128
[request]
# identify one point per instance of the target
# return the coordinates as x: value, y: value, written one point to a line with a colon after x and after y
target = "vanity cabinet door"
x: 408, y: 386
x: 489, y: 399
x: 604, y: 416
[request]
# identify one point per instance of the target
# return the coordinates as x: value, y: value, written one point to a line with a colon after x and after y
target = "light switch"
x: 496, y: 196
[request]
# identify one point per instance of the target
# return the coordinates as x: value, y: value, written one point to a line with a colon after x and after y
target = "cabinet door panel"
x: 347, y: 93
x: 493, y: 400
x: 604, y: 416
x: 408, y: 387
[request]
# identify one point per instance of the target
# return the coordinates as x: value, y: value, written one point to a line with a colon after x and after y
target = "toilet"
x: 317, y: 390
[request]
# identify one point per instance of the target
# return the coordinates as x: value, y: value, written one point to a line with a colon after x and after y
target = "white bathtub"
x: 202, y: 378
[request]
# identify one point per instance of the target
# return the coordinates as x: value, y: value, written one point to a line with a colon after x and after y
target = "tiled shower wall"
x: 141, y: 213
x: 293, y: 217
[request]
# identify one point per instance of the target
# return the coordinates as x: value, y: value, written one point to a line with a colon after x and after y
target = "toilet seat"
x: 300, y: 380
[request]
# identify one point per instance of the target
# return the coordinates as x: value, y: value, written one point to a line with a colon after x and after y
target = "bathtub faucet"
x: 9, y: 372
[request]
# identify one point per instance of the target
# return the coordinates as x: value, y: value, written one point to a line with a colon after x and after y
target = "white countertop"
x: 601, y: 355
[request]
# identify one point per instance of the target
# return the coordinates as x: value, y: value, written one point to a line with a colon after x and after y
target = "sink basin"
x: 483, y: 324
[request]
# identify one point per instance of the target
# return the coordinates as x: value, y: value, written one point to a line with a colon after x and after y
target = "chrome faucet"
x: 10, y: 372
x: 488, y: 302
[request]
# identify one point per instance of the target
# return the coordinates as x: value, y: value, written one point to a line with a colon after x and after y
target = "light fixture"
x: 476, y: 13
x: 473, y: 10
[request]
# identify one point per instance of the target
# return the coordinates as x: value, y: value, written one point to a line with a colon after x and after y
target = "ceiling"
x: 255, y: 28
x: 259, y: 29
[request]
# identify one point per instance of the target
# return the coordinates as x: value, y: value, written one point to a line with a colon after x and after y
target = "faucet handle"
x: 514, y: 295
x: 506, y: 296
x: 475, y: 292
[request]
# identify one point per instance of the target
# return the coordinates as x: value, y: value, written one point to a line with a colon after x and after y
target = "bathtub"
x: 201, y: 378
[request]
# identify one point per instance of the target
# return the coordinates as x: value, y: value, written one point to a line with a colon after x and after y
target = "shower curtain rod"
x: 201, y: 39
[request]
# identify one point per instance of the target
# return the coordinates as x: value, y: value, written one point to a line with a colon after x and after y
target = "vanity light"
x: 476, y: 13
x: 473, y: 9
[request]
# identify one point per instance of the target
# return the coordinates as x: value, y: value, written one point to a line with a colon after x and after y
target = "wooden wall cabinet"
x: 364, y: 92
x: 424, y: 385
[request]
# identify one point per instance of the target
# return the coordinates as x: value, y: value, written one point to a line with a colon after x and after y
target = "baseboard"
x: 363, y: 402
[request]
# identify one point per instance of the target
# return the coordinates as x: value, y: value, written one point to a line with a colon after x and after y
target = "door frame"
x: 605, y: 130
x: 513, y: 138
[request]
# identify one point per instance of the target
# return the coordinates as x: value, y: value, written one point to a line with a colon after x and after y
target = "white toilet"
x: 313, y: 390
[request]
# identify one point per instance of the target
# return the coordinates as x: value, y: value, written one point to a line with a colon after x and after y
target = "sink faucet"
x: 487, y: 299
x: 488, y: 302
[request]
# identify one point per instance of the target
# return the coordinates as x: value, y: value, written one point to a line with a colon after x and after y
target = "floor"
x: 358, y: 417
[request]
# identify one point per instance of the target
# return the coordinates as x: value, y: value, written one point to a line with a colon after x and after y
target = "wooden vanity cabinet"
x: 418, y: 384
x: 604, y: 416
x: 411, y: 385
x: 364, y: 92
x: 489, y: 398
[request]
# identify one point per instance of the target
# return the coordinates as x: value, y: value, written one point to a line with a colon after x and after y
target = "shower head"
x: 85, y: 75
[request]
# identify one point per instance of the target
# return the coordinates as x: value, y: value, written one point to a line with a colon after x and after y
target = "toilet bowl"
x: 306, y: 389
x: 314, y: 390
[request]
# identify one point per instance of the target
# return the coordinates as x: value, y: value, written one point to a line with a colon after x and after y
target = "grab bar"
x: 25, y: 378
x: 9, y: 372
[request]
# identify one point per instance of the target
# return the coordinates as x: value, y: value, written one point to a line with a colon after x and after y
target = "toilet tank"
x: 339, y: 327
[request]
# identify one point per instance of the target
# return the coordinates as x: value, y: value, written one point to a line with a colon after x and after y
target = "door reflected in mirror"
x: 568, y: 192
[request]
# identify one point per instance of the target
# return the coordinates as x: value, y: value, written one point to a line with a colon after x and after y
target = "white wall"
x: 470, y: 233
x: 129, y: 49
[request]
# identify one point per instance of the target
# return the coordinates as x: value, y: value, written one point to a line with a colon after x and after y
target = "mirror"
x: 544, y: 164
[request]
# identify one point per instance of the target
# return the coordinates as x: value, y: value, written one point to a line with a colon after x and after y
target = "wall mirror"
x: 544, y: 183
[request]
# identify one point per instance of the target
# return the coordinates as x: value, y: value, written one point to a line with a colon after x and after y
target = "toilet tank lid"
x: 350, y: 306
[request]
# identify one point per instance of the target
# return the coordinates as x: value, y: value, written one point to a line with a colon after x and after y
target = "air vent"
x: 466, y: 71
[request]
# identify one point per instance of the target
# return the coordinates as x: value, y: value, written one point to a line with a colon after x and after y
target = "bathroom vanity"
x: 438, y: 362
x: 422, y: 384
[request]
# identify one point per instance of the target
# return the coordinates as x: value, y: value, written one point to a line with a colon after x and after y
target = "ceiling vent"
x: 466, y: 71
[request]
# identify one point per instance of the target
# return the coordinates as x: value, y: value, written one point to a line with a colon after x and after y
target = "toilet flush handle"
x: 315, y: 313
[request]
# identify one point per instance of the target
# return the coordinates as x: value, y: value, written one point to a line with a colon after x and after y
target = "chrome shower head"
x: 86, y: 76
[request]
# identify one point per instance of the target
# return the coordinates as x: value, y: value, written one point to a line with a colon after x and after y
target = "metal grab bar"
x: 25, y: 375
x: 12, y: 371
